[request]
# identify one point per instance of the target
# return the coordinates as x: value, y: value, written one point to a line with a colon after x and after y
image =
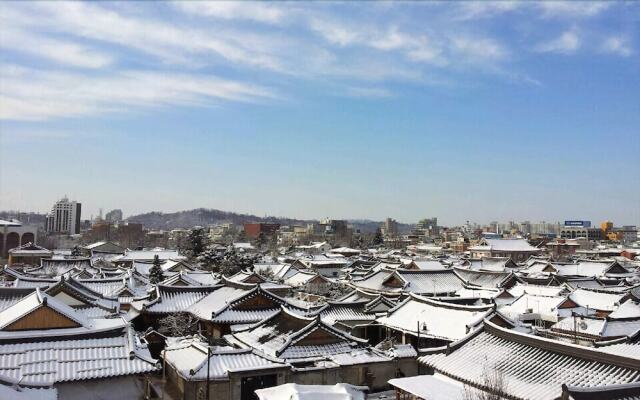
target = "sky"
x: 473, y: 111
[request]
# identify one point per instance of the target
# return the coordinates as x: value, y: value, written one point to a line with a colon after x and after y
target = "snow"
x: 430, y: 387
x: 443, y: 320
x: 294, y: 391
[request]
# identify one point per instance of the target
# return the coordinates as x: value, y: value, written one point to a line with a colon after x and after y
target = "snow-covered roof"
x: 49, y: 362
x: 176, y: 298
x: 443, y: 281
x: 596, y: 300
x: 505, y: 245
x: 442, y: 320
x: 531, y: 367
x: 294, y: 391
x: 190, y: 355
x: 283, y: 335
x: 430, y: 387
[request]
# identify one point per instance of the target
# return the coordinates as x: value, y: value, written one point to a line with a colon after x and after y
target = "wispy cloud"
x: 84, y: 58
x: 59, y: 51
x: 567, y: 43
x: 245, y: 10
x: 35, y: 95
x: 369, y: 92
x: 617, y: 45
x: 572, y: 9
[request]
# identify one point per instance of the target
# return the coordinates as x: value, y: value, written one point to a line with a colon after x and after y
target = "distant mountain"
x: 203, y: 216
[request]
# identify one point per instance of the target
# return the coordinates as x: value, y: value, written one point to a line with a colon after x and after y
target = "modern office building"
x: 64, y: 217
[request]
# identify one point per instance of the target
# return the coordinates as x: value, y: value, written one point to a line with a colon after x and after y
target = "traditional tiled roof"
x: 189, y: 359
x: 596, y: 300
x: 172, y: 299
x: 487, y: 279
x: 34, y: 301
x: 283, y: 334
x: 505, y: 245
x: 346, y: 312
x: 56, y: 361
x: 10, y: 296
x: 442, y: 320
x: 531, y: 367
x: 430, y: 282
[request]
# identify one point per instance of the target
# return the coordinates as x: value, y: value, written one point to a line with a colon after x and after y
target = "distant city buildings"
x: 114, y: 216
x: 64, y: 217
x: 254, y: 229
x: 390, y: 227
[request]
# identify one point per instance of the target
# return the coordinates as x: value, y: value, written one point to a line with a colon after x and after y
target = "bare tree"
x: 178, y: 325
x: 494, y: 386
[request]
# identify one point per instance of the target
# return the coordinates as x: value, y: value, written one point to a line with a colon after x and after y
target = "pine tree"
x: 155, y: 274
x: 197, y: 241
x: 377, y: 238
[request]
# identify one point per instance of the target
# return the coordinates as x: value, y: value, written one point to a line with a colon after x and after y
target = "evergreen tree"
x: 155, y: 274
x: 260, y: 240
x: 377, y: 238
x: 197, y: 241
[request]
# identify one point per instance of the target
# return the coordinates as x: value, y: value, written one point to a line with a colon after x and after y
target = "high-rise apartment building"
x: 64, y: 217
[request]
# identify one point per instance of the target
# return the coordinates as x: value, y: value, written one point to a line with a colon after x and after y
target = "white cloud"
x: 248, y: 10
x: 59, y: 51
x: 169, y: 42
x: 484, y: 9
x: 617, y: 45
x: 369, y: 92
x: 37, y: 95
x: 567, y: 43
x: 572, y: 9
x: 478, y: 48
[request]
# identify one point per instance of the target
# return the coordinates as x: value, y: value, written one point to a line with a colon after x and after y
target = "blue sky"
x: 464, y: 110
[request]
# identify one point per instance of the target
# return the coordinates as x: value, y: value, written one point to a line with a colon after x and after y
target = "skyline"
x: 480, y: 111
x: 594, y: 223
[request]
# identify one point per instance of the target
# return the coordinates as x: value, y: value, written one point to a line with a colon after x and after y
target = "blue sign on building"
x: 582, y: 224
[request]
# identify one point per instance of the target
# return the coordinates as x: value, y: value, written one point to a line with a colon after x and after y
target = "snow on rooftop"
x: 294, y: 391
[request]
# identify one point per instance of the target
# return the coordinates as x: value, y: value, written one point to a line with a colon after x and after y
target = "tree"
x: 260, y: 240
x: 493, y: 385
x: 209, y: 259
x: 76, y: 252
x: 241, y: 237
x: 197, y: 241
x: 377, y: 238
x: 337, y: 290
x: 156, y: 275
x: 178, y: 325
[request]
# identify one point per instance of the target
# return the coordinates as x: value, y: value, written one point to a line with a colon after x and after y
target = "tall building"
x: 114, y: 216
x: 64, y: 217
x: 390, y: 227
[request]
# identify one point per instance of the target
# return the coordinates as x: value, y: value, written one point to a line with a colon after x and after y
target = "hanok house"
x: 317, y: 352
x: 235, y: 306
x: 358, y: 318
x: 44, y: 342
x: 424, y: 322
x: 83, y: 299
x: 28, y: 254
x: 310, y: 282
x: 165, y: 300
x: 444, y: 282
x: 231, y: 374
x: 518, y: 250
x: 514, y: 365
